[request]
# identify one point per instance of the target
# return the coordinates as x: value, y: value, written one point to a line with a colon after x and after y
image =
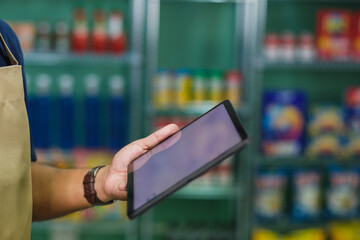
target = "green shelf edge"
x: 310, y: 66
x: 205, y: 192
x: 313, y: 1
x: 55, y: 59
x: 304, y: 161
x: 193, y: 111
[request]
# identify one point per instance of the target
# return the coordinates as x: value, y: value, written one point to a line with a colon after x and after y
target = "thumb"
x: 137, y: 148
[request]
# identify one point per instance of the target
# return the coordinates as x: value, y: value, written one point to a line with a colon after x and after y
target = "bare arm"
x: 57, y: 192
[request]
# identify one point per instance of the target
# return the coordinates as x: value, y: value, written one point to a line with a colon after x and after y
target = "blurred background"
x: 101, y: 74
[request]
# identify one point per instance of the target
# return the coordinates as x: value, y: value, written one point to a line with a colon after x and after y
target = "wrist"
x: 94, y: 182
x: 100, y: 184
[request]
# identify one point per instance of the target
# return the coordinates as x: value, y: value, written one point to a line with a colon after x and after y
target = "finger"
x: 154, y: 139
x: 121, y: 195
x: 141, y: 146
x: 159, y: 148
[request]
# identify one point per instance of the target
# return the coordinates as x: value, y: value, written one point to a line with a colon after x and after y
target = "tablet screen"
x: 182, y: 154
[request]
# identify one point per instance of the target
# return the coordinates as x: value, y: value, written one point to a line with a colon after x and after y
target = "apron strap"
x: 10, y: 55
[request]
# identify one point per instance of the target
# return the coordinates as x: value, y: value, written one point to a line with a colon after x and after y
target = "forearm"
x: 56, y: 192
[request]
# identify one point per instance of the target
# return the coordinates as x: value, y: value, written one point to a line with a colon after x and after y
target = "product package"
x: 326, y: 131
x: 283, y: 123
x: 352, y: 102
x: 326, y: 119
x: 355, y: 50
x: 325, y: 145
x: 301, y: 234
x: 353, y: 146
x: 265, y: 234
x: 306, y: 195
x: 344, y: 230
x: 343, y: 193
x: 308, y: 234
x: 270, y: 194
x: 333, y: 34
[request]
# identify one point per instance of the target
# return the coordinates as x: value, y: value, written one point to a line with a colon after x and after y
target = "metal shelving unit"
x: 315, y: 67
x: 133, y: 62
x: 245, y: 36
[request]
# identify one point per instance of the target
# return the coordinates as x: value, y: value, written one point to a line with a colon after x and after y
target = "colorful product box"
x: 333, y: 33
x: 270, y: 193
x: 307, y: 195
x: 326, y: 130
x: 326, y: 119
x: 343, y: 193
x: 352, y: 102
x: 326, y: 145
x: 356, y: 36
x: 283, y: 123
x: 308, y: 234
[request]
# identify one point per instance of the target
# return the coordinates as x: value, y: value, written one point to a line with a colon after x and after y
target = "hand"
x: 111, y: 181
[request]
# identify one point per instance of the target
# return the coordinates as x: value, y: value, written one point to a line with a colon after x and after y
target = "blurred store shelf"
x: 96, y: 226
x: 313, y: 1
x: 310, y: 66
x: 287, y: 225
x: 192, y: 110
x: 55, y: 59
x: 305, y: 161
x: 206, y: 192
x: 205, y: 1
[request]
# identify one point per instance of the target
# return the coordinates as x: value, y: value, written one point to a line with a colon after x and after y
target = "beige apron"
x: 15, y: 166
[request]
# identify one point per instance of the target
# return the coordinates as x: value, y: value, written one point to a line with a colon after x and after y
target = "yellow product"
x: 265, y: 234
x: 344, y: 231
x: 163, y: 89
x: 306, y: 234
x: 326, y: 119
x: 353, y: 146
x: 183, y: 88
x: 199, y: 87
x: 325, y: 145
x: 216, y: 86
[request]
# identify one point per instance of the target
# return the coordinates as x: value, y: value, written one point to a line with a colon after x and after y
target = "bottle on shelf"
x: 182, y: 88
x: 216, y: 86
x: 42, y: 112
x: 62, y: 44
x: 271, y: 48
x: 234, y: 87
x: 288, y: 46
x: 80, y: 34
x: 92, y: 110
x: 199, y: 87
x: 306, y: 47
x: 99, y: 36
x: 66, y: 105
x: 118, y: 133
x: 117, y: 37
x: 44, y: 36
x: 163, y: 89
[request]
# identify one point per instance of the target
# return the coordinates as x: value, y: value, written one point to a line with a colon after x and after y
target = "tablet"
x: 184, y: 156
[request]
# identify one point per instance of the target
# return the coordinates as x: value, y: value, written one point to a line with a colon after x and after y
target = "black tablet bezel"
x: 244, y: 137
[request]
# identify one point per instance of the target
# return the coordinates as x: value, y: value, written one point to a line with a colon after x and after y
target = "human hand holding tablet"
x: 184, y: 156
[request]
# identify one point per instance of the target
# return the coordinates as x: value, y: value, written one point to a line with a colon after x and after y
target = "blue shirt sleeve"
x: 14, y: 45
